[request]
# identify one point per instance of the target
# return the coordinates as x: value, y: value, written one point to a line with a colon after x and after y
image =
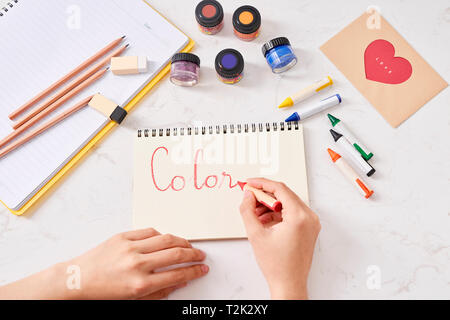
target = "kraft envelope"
x: 379, y: 62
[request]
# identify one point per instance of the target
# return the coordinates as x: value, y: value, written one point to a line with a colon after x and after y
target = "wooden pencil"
x: 53, y: 107
x: 64, y: 79
x: 69, y: 87
x: 44, y: 127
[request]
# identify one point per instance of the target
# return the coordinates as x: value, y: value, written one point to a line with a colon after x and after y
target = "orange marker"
x: 350, y: 174
x: 262, y: 197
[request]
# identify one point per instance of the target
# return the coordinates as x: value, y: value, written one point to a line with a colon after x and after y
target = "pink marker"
x: 262, y: 197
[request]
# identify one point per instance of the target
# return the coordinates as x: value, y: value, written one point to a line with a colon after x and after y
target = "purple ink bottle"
x: 185, y: 69
x: 229, y: 66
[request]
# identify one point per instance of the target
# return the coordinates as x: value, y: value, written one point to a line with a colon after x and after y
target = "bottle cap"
x: 280, y: 41
x: 185, y: 56
x: 209, y: 13
x: 229, y: 63
x: 246, y: 19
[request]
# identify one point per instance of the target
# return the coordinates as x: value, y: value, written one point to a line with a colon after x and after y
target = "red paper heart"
x: 382, y: 66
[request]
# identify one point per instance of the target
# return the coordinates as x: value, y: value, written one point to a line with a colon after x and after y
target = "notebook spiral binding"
x: 7, y: 6
x: 219, y: 129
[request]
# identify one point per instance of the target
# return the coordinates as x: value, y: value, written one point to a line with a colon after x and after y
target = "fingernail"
x: 204, y: 268
x: 201, y: 253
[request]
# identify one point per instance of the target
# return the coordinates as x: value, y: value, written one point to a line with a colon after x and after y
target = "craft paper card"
x: 379, y: 62
x: 186, y: 183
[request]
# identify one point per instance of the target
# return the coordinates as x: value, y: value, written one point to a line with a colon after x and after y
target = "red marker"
x: 262, y: 197
x: 349, y: 173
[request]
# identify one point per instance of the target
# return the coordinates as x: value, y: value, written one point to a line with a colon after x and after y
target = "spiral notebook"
x: 41, y: 42
x: 185, y: 179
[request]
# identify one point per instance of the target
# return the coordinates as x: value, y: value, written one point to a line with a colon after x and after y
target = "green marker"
x: 341, y: 128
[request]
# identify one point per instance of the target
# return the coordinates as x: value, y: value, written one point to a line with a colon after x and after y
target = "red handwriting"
x: 178, y: 183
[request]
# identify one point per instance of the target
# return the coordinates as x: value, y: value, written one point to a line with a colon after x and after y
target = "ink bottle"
x: 246, y: 23
x: 229, y: 66
x: 209, y: 16
x: 279, y: 54
x: 185, y: 69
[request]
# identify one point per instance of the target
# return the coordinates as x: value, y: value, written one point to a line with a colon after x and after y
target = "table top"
x: 400, y: 239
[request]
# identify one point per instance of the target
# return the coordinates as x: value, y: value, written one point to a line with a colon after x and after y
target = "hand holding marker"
x: 262, y: 197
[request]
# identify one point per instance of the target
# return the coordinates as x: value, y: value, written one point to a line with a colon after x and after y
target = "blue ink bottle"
x: 279, y: 54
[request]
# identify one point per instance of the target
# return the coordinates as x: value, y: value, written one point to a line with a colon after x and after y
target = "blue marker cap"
x: 293, y: 117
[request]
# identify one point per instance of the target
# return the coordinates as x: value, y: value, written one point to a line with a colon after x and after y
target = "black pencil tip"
x: 123, y: 37
x: 127, y: 45
x: 335, y: 135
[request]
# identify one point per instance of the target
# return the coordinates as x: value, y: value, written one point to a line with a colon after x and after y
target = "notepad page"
x: 41, y: 42
x: 187, y: 185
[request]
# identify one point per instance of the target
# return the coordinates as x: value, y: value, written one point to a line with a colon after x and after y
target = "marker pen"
x: 307, y: 92
x: 353, y: 155
x: 340, y: 127
x: 262, y: 197
x: 312, y: 110
x: 350, y: 174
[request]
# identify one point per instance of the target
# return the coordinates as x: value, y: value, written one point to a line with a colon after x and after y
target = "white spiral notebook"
x: 44, y: 40
x: 185, y: 179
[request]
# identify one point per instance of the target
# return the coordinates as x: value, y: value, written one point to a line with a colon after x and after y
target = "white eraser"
x: 142, y: 64
x: 128, y: 65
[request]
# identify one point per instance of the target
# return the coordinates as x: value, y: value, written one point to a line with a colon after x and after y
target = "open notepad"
x: 41, y: 42
x: 185, y: 179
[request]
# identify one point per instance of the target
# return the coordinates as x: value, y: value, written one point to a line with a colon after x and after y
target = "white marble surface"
x: 404, y: 230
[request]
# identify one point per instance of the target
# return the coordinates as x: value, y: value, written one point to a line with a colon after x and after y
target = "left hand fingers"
x: 175, y: 277
x: 161, y: 242
x: 163, y: 293
x: 173, y: 256
x: 140, y: 234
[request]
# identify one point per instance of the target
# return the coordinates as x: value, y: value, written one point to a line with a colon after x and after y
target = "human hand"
x: 284, y: 242
x: 125, y: 266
